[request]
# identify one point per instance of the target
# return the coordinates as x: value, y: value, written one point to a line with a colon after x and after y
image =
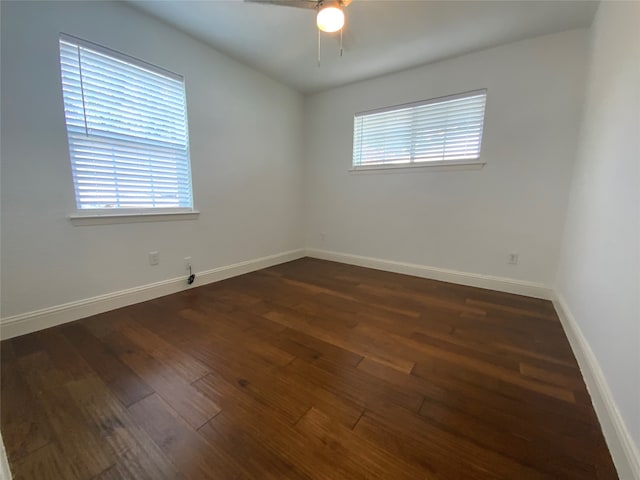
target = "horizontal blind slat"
x: 446, y: 129
x: 127, y: 130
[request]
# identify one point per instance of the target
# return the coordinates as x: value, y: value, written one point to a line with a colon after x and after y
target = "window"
x: 446, y: 130
x: 127, y: 131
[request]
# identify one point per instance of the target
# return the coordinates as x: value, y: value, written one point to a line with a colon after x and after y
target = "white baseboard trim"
x: 5, y: 472
x: 626, y: 456
x: 48, y: 317
x: 502, y: 284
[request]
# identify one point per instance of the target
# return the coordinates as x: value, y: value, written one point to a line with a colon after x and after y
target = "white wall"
x: 598, y: 273
x: 465, y: 220
x: 245, y: 157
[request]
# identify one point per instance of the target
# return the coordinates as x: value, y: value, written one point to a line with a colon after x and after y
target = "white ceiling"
x: 381, y: 36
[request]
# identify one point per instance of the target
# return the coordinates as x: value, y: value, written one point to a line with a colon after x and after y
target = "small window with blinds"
x: 441, y: 131
x: 127, y: 131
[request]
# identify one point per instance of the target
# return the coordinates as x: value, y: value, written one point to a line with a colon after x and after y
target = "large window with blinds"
x: 445, y: 130
x: 127, y: 130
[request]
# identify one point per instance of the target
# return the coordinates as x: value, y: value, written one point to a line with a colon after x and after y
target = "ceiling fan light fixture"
x: 330, y: 18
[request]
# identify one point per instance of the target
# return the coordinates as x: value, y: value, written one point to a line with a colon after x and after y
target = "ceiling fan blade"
x: 311, y: 4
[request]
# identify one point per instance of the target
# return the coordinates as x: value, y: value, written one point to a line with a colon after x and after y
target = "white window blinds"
x: 447, y: 129
x: 127, y: 130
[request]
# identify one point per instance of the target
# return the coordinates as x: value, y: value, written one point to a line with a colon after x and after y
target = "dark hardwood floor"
x: 306, y: 370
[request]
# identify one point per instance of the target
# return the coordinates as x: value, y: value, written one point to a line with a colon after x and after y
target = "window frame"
x: 439, y: 165
x: 94, y: 216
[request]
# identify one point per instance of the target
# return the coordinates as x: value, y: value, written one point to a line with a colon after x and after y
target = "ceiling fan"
x: 329, y: 17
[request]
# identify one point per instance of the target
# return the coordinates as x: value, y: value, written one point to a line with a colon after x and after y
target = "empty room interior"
x: 337, y: 239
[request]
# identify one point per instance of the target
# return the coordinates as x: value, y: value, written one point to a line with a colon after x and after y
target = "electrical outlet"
x: 187, y: 263
x: 513, y: 259
x: 154, y: 258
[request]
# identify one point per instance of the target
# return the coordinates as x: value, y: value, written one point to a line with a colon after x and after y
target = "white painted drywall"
x: 245, y: 157
x: 464, y: 220
x: 600, y: 261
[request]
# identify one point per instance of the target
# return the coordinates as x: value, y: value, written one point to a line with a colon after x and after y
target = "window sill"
x: 113, y: 218
x: 431, y: 166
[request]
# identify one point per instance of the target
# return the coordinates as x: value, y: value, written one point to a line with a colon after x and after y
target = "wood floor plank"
x: 326, y: 350
x: 191, y: 453
x: 80, y: 446
x: 44, y: 463
x: 259, y: 380
x: 371, y: 461
x: 258, y: 460
x: 271, y: 429
x: 544, y: 315
x: 445, y: 443
x: 228, y: 430
x: 353, y: 384
x: 339, y: 337
x: 566, y: 360
x: 176, y: 391
x: 21, y: 416
x: 434, y: 460
x: 163, y: 352
x: 527, y: 420
x: 289, y: 397
x: 488, y: 389
x: 136, y: 455
x: 501, y: 440
x: 122, y: 381
x: 305, y: 370
x: 551, y: 375
x: 479, y: 352
x: 224, y: 326
x: 417, y: 303
x: 271, y: 386
x: 488, y: 369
